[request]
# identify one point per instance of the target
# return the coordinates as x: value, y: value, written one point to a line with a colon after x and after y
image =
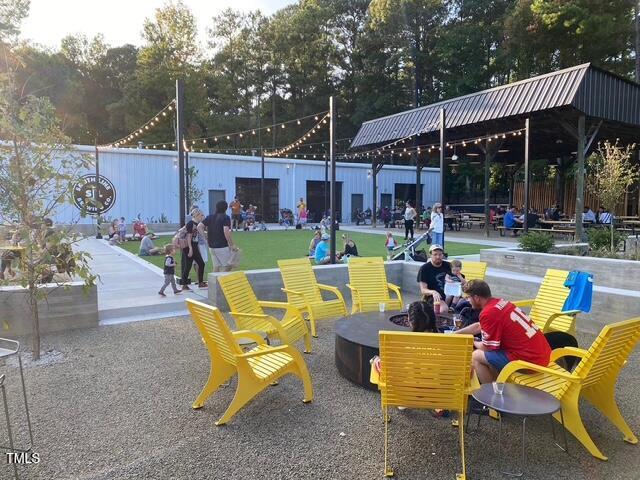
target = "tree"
x: 194, y: 194
x: 611, y: 173
x: 12, y: 12
x: 38, y: 170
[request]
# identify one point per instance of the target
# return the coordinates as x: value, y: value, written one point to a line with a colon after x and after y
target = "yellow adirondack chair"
x: 594, y: 379
x: 304, y: 292
x: 248, y: 312
x: 474, y: 270
x: 256, y: 369
x: 369, y: 286
x: 546, y: 309
x: 424, y: 370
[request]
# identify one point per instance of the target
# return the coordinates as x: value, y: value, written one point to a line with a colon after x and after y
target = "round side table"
x: 520, y: 401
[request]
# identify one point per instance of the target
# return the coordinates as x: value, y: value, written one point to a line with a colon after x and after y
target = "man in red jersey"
x: 507, y: 334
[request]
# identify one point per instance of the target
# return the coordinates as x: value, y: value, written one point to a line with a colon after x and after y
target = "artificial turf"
x: 264, y: 249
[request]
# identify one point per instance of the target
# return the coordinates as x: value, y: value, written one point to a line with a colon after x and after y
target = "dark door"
x: 357, y: 204
x: 385, y: 200
x: 248, y: 192
x: 214, y: 197
x: 316, y: 199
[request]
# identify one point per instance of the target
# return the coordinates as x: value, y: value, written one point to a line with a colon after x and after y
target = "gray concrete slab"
x: 128, y: 286
x: 115, y: 403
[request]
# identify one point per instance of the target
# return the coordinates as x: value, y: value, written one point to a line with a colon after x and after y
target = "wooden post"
x: 443, y: 119
x: 580, y: 178
x: 180, y: 147
x: 332, y: 123
x: 527, y: 138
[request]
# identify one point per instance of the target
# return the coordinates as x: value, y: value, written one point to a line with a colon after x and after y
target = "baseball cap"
x: 325, y: 236
x: 435, y: 246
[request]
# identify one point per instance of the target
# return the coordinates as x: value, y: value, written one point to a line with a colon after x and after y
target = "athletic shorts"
x: 497, y: 359
x: 225, y: 257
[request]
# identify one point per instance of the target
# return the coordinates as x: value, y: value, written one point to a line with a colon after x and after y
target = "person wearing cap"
x: 147, y: 248
x: 437, y: 225
x: 322, y: 250
x: 432, y: 275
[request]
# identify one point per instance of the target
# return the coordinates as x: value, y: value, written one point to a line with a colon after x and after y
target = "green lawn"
x: 264, y: 249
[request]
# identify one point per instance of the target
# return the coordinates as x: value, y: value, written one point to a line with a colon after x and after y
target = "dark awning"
x: 583, y: 88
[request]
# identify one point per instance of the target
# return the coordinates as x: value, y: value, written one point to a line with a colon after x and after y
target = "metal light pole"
x: 332, y: 124
x: 96, y: 194
x: 180, y: 147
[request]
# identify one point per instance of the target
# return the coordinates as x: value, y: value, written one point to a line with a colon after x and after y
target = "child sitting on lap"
x: 454, y: 283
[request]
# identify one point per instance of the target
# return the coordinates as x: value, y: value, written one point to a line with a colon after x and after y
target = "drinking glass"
x: 381, y: 307
x: 457, y: 321
x: 498, y: 388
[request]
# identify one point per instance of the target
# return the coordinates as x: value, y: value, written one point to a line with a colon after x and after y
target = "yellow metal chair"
x: 256, y: 369
x: 474, y: 270
x: 304, y: 292
x: 248, y: 312
x: 369, y: 286
x: 594, y: 379
x: 424, y: 370
x: 546, y: 309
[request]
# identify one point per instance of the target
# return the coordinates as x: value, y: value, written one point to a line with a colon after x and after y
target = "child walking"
x: 169, y: 271
x: 391, y: 244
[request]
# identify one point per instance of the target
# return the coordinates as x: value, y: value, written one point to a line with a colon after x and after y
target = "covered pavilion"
x: 560, y: 116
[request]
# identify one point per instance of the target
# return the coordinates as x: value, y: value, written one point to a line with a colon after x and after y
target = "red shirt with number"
x: 505, y: 327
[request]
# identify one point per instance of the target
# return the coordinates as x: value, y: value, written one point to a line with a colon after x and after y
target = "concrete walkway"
x: 128, y: 286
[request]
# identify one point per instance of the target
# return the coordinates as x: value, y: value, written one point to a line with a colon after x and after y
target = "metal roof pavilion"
x: 563, y: 115
x: 583, y: 89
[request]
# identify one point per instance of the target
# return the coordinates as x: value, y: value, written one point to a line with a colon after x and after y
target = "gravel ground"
x: 115, y: 402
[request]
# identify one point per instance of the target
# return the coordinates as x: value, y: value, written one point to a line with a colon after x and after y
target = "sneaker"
x: 203, y: 285
x: 185, y: 287
x: 177, y: 292
x: 439, y: 413
x: 161, y: 294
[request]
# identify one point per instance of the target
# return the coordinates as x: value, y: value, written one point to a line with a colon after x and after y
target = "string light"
x: 152, y: 122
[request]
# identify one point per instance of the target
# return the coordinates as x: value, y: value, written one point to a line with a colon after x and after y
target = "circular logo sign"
x: 94, y: 197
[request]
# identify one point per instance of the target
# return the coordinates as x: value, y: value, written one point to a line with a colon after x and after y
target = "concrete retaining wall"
x: 66, y: 307
x: 607, y: 272
x: 267, y: 283
x: 609, y: 304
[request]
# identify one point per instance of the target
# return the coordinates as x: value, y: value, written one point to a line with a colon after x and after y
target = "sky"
x: 120, y: 21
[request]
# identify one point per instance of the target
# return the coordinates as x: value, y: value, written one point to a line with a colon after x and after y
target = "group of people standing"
x: 203, y: 235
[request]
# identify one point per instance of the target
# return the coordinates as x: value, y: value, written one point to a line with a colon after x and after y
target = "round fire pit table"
x: 357, y: 342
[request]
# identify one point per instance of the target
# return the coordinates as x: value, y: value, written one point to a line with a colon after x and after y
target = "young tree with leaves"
x: 611, y: 173
x: 38, y: 169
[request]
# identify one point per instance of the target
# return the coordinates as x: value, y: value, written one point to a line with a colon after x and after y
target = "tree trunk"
x: 613, y: 248
x: 35, y: 319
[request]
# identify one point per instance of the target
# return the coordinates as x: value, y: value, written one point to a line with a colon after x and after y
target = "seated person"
x: 456, y: 280
x: 604, y: 217
x: 432, y: 276
x: 322, y: 255
x: 422, y: 318
x: 8, y: 256
x: 350, y: 248
x: 511, y: 222
x: 147, y: 248
x: 588, y: 216
x: 507, y: 334
x: 139, y: 229
x: 314, y: 243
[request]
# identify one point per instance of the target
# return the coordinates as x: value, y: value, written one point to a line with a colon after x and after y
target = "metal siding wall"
x: 146, y: 182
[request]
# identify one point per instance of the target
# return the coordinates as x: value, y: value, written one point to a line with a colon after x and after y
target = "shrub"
x: 540, y: 242
x: 600, y: 238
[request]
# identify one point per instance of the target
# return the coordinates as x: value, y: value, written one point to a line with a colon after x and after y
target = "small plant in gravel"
x: 540, y: 242
x: 600, y: 239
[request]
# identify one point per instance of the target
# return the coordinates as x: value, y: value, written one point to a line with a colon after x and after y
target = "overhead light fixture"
x: 454, y: 158
x: 511, y: 165
x: 473, y: 154
x: 504, y: 150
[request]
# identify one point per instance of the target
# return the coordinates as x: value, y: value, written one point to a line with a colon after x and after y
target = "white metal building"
x: 146, y: 184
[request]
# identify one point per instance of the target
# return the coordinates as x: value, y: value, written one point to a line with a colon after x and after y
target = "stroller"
x: 286, y: 218
x: 410, y: 252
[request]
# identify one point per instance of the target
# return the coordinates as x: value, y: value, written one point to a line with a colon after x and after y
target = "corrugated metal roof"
x: 593, y: 91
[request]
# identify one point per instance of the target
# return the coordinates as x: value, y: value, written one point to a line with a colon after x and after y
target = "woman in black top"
x: 191, y: 253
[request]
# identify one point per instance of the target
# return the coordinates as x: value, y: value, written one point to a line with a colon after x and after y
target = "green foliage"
x: 38, y: 169
x: 600, y: 238
x: 540, y: 242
